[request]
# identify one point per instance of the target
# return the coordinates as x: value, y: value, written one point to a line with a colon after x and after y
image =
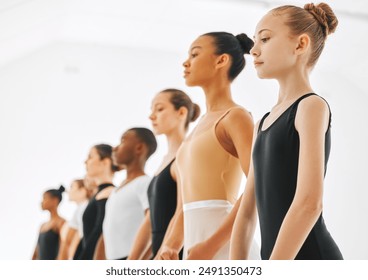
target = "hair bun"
x: 324, y: 15
x: 61, y: 189
x: 196, y: 112
x: 246, y: 43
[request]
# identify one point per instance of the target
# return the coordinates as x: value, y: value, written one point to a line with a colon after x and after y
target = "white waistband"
x: 206, y: 203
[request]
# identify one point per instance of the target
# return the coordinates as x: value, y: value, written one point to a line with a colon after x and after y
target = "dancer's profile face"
x: 124, y: 153
x: 77, y: 193
x: 94, y: 164
x: 274, y: 47
x: 164, y: 117
x: 200, y: 67
x: 48, y: 201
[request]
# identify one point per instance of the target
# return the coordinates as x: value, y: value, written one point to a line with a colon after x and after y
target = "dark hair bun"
x: 196, y: 112
x: 115, y: 168
x: 61, y: 189
x: 246, y: 43
x: 324, y: 15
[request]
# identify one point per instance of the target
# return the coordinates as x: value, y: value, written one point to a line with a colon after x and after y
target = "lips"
x: 257, y: 63
x: 186, y: 73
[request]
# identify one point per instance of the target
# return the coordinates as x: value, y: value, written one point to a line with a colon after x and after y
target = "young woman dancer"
x: 172, y: 111
x: 211, y: 161
x: 101, y: 170
x: 292, y: 142
x: 49, y: 237
x: 73, y: 231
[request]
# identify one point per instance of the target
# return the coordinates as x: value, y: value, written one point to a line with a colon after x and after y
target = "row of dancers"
x: 190, y: 208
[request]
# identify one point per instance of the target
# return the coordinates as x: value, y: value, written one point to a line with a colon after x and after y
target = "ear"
x: 222, y: 60
x: 303, y: 44
x: 183, y: 112
x: 141, y: 149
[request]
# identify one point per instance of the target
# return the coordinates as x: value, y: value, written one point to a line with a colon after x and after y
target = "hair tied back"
x: 324, y: 15
x: 61, y: 189
x: 245, y: 42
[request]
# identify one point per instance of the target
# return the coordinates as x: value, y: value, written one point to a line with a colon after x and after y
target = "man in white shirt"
x: 127, y: 204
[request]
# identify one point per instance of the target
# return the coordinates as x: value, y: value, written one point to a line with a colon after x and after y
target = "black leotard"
x: 48, y: 245
x: 93, y: 218
x: 162, y: 201
x: 275, y: 160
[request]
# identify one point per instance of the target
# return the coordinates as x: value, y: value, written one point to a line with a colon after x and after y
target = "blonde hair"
x: 318, y: 21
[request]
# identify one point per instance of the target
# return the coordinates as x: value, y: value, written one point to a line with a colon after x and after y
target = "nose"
x: 186, y: 63
x: 254, y: 51
x: 151, y: 116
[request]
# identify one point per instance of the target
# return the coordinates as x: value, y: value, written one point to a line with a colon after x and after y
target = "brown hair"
x: 318, y: 21
x: 180, y: 99
x: 105, y: 151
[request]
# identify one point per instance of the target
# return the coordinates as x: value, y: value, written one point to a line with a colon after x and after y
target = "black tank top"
x: 92, y: 218
x: 162, y: 201
x: 275, y: 160
x: 48, y: 245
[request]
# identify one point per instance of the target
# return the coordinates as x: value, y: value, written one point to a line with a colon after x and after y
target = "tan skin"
x: 55, y: 222
x: 168, y: 121
x: 210, y: 71
x: 71, y: 237
x: 99, y: 172
x: 283, y: 57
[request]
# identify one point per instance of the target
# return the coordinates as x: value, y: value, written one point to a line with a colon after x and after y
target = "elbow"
x: 312, y: 208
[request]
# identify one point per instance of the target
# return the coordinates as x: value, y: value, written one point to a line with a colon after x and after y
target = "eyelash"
x: 264, y: 40
x: 193, y: 55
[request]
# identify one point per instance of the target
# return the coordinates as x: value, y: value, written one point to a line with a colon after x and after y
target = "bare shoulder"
x: 105, y: 193
x: 312, y: 104
x: 238, y: 118
x: 239, y: 114
x: 60, y: 223
x: 312, y: 112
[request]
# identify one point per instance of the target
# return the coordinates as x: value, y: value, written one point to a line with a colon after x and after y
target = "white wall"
x: 58, y: 101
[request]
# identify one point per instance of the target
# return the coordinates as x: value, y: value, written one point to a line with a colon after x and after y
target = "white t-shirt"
x: 124, y: 213
x: 76, y: 222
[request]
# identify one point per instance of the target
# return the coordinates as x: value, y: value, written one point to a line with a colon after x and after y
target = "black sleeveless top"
x: 162, y: 202
x: 275, y: 161
x: 92, y: 219
x: 48, y: 245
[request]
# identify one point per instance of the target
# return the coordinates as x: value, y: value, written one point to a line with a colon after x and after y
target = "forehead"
x: 162, y: 97
x: 129, y: 135
x: 47, y: 195
x: 271, y: 22
x: 93, y: 152
x: 202, y: 42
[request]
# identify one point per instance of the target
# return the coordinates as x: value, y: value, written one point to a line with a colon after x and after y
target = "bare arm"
x: 35, y: 253
x: 237, y: 128
x: 246, y: 218
x: 311, y: 122
x: 143, y: 240
x: 66, y: 242
x: 99, y: 253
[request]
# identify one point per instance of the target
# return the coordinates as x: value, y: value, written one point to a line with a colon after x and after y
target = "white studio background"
x: 77, y: 73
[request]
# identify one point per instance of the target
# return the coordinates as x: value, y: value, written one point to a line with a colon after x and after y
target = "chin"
x: 190, y: 83
x: 156, y: 132
x: 263, y: 76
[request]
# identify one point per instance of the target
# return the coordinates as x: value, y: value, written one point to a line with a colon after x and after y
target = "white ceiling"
x: 168, y: 25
